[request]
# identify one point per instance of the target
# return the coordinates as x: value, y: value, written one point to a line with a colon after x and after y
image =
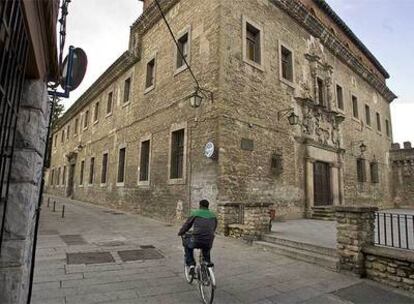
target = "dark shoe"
x: 191, y: 271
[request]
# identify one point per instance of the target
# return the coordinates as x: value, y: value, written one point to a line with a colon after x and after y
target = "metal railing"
x: 13, y: 56
x: 394, y: 230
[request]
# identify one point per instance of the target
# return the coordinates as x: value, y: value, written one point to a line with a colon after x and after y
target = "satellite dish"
x: 74, y: 69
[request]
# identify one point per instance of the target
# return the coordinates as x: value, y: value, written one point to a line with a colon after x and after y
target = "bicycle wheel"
x: 188, y: 277
x: 207, y: 284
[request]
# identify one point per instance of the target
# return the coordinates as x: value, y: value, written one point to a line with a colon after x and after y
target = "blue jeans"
x: 189, y: 252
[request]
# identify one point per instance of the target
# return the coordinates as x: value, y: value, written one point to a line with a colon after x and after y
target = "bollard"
x: 63, y: 211
x: 54, y: 206
x: 48, y: 202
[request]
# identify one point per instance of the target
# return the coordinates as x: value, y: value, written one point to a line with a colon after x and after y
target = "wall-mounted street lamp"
x: 361, y: 146
x: 195, y: 99
x: 293, y: 118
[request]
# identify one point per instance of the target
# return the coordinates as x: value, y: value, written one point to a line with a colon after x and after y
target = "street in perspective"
x: 216, y: 151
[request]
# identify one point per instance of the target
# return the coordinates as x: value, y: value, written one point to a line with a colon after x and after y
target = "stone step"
x: 270, y: 238
x: 323, y: 218
x: 299, y: 254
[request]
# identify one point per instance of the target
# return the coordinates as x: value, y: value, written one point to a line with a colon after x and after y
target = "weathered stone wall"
x: 24, y: 191
x: 403, y: 175
x: 390, y: 266
x: 151, y: 113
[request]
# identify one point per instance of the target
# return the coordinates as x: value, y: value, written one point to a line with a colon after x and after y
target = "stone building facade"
x: 403, y: 175
x: 28, y: 61
x: 299, y: 114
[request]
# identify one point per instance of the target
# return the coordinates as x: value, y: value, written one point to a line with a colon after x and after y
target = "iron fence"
x: 13, y: 57
x: 394, y: 230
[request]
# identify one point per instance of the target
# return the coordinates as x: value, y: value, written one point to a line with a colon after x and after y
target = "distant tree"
x: 58, y: 109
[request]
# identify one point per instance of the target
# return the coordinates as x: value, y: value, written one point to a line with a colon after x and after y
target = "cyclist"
x: 204, y: 224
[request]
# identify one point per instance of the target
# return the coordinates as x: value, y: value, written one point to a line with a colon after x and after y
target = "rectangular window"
x: 177, y: 154
x: 340, y: 97
x: 56, y: 139
x: 58, y: 178
x: 62, y: 139
x: 109, y: 103
x: 76, y: 126
x: 355, y: 107
x: 367, y: 115
x: 361, y: 170
x: 52, y: 177
x: 104, y: 172
x: 253, y: 51
x: 378, y: 122
x: 86, y: 119
x: 64, y: 176
x: 144, y: 161
x: 321, y: 89
x: 387, y: 126
x: 150, y: 81
x: 121, y: 165
x: 374, y: 172
x: 68, y: 132
x: 127, y: 89
x: 287, y: 64
x: 91, y: 170
x: 81, y: 173
x: 183, y: 47
x: 96, y: 112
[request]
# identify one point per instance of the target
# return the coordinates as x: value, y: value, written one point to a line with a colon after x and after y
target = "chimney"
x: 395, y: 146
x: 407, y: 145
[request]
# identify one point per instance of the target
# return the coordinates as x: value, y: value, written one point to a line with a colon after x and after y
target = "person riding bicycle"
x: 204, y: 224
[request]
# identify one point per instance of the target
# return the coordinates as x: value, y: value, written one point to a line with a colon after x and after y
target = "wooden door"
x: 322, y: 184
x: 69, y: 190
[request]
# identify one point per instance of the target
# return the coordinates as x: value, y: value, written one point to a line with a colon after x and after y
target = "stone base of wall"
x: 394, y: 267
x: 248, y: 221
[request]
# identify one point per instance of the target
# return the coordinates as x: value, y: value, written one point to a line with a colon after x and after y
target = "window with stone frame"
x: 62, y: 139
x: 378, y: 122
x: 81, y: 172
x: 340, y: 97
x: 286, y: 63
x: 127, y: 89
x: 177, y: 154
x: 374, y: 172
x: 150, y: 79
x: 52, y: 177
x: 56, y: 140
x: 184, y: 48
x: 75, y: 131
x: 86, y: 119
x: 58, y: 177
x: 276, y: 165
x: 109, y: 103
x: 68, y: 132
x: 355, y: 111
x: 104, y: 173
x: 387, y: 127
x: 91, y: 170
x: 145, y: 161
x: 321, y: 91
x: 96, y: 112
x: 361, y: 170
x: 121, y: 165
x: 367, y: 115
x: 64, y: 176
x: 253, y: 43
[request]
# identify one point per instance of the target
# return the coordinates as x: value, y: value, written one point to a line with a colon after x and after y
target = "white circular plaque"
x: 209, y: 150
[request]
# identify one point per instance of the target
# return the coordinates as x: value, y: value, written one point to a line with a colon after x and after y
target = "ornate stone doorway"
x: 322, y: 184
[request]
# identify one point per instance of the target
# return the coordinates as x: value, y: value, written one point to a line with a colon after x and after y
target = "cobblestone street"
x: 140, y: 261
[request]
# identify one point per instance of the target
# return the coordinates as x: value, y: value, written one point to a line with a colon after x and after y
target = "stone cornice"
x: 299, y: 12
x: 124, y: 62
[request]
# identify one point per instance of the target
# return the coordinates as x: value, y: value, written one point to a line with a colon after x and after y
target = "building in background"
x: 403, y: 175
x: 28, y: 60
x: 299, y: 116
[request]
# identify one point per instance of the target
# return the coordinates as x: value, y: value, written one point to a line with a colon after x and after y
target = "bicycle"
x: 204, y: 274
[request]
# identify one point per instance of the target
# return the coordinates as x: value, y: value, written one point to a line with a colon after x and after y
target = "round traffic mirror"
x: 74, y: 69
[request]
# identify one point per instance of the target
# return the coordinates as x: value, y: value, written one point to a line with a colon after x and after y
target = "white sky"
x: 101, y: 28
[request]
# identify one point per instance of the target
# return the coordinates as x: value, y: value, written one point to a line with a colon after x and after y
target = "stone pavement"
x: 129, y: 270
